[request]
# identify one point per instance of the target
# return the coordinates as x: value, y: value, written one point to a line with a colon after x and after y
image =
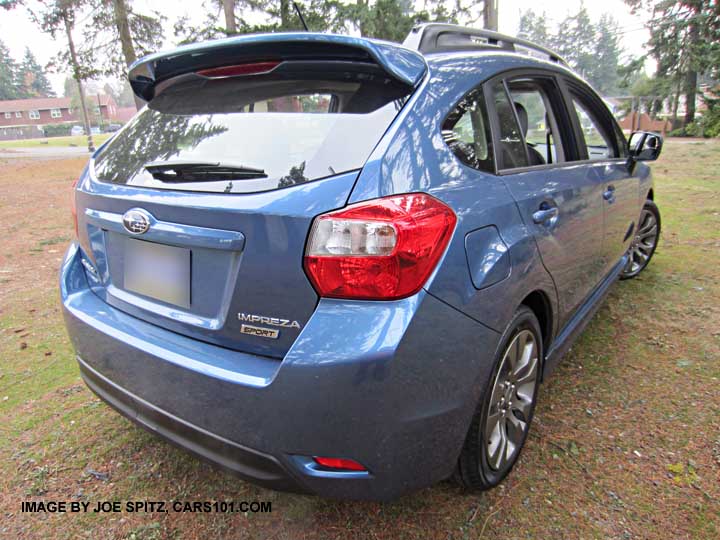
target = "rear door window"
x: 532, y: 100
x: 512, y: 153
x: 250, y: 134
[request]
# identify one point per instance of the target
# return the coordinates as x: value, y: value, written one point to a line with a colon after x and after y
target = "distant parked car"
x: 112, y: 128
x: 95, y: 130
x: 77, y: 130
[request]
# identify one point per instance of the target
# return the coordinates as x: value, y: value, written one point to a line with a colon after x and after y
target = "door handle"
x: 609, y: 194
x: 546, y: 213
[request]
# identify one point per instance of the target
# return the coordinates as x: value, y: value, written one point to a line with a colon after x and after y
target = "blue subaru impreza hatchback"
x: 343, y: 266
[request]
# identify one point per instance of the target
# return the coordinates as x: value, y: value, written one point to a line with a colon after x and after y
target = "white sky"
x: 17, y: 31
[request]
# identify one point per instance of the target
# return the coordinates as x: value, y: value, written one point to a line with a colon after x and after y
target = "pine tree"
x: 575, y: 41
x: 8, y: 74
x: 118, y: 35
x: 32, y: 80
x: 534, y: 28
x: 603, y: 71
x: 685, y: 41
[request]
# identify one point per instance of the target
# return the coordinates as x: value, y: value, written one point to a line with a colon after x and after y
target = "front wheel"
x: 502, y: 420
x: 645, y: 241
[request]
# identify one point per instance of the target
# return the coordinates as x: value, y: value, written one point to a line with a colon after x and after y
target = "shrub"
x: 57, y: 130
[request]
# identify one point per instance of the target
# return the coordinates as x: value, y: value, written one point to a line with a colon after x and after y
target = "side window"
x: 532, y: 100
x: 598, y: 139
x: 467, y: 133
x: 512, y: 151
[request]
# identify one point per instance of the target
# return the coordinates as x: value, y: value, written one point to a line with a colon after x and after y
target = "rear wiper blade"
x: 201, y: 171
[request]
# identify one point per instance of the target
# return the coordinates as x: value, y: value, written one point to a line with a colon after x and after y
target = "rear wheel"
x: 645, y: 241
x: 502, y: 421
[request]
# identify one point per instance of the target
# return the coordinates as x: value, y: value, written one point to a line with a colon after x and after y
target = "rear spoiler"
x: 403, y: 65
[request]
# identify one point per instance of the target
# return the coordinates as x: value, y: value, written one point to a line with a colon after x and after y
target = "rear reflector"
x: 383, y: 249
x: 339, y: 463
x: 254, y: 68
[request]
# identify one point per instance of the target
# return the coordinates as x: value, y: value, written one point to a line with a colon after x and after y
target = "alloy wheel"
x: 511, y: 400
x: 643, y: 245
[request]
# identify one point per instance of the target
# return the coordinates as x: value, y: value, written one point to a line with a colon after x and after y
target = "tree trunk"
x: 691, y: 77
x: 690, y: 92
x: 76, y: 73
x: 675, y: 105
x: 490, y: 14
x: 229, y: 8
x: 123, y: 27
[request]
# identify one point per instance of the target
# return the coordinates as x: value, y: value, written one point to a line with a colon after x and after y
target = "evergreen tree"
x: 8, y: 74
x: 534, y: 28
x: 685, y: 41
x: 592, y: 49
x: 382, y: 19
x: 602, y: 72
x: 118, y: 35
x: 32, y: 80
x: 575, y: 41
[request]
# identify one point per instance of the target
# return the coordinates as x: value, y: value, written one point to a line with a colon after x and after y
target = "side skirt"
x: 579, y: 321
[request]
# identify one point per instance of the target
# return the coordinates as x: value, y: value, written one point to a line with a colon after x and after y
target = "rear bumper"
x: 392, y: 385
x: 245, y: 462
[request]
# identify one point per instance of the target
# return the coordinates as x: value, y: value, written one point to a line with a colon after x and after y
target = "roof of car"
x: 501, y: 61
x: 432, y: 38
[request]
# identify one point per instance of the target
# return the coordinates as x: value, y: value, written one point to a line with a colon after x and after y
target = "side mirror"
x: 645, y: 146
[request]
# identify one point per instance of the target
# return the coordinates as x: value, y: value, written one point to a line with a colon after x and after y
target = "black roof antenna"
x: 302, y: 19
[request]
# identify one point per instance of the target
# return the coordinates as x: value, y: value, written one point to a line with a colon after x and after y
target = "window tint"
x: 248, y: 135
x: 310, y: 103
x: 467, y: 133
x: 512, y: 153
x: 537, y: 121
x: 598, y: 142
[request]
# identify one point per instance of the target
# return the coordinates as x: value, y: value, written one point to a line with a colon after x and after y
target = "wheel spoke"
x: 513, y: 353
x: 641, y: 256
x: 526, y: 351
x: 492, y: 421
x: 523, y: 401
x: 529, y: 374
x: 648, y: 223
x: 649, y: 233
x: 497, y: 443
x: 515, y: 433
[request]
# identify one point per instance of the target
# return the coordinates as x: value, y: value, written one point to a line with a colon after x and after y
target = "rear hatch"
x: 194, y: 217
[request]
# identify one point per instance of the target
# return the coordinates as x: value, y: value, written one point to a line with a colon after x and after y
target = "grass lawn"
x: 78, y: 140
x: 625, y: 443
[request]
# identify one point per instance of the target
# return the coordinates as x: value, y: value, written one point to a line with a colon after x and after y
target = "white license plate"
x: 158, y: 271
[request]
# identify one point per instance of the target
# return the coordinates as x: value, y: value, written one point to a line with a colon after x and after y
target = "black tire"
x: 473, y: 469
x: 640, y: 253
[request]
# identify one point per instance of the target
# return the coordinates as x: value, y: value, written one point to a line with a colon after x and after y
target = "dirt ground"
x: 625, y: 443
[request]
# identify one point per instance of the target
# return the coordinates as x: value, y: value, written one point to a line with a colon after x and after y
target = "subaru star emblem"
x: 136, y: 221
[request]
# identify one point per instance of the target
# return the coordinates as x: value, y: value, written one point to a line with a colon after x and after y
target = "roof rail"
x: 440, y: 37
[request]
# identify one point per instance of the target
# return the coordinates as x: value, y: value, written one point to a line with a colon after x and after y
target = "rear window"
x: 247, y: 135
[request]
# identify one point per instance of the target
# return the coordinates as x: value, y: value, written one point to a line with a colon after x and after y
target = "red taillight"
x: 382, y: 249
x: 339, y: 463
x: 73, y: 207
x: 253, y: 68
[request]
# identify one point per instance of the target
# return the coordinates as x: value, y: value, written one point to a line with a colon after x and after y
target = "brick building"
x: 23, y: 118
